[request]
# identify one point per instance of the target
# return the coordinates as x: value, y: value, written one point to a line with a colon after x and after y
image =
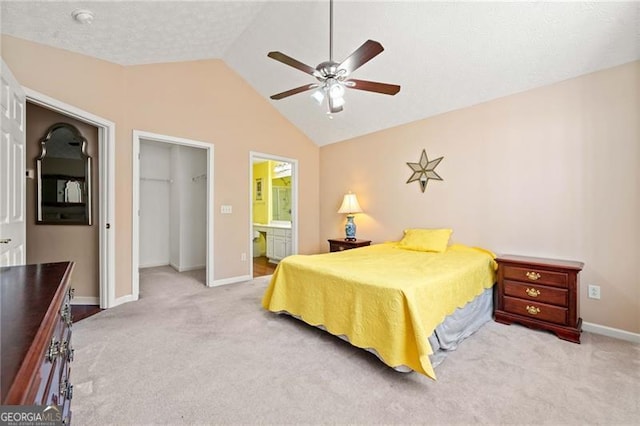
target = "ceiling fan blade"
x: 294, y: 91
x: 361, y: 56
x: 288, y: 60
x: 372, y: 86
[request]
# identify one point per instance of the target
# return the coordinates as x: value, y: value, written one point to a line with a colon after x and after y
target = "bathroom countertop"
x: 273, y: 225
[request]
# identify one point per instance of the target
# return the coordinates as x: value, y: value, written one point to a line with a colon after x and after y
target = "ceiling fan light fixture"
x: 337, y: 101
x: 336, y: 90
x: 318, y: 96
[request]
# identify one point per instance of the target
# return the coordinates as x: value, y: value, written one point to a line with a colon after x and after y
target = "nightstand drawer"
x: 537, y: 276
x: 536, y: 310
x: 342, y: 245
x: 338, y: 247
x: 537, y: 293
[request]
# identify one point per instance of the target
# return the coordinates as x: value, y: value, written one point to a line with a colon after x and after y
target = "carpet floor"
x: 186, y: 354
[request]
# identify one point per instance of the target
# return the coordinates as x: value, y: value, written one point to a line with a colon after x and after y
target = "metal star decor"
x: 424, y: 170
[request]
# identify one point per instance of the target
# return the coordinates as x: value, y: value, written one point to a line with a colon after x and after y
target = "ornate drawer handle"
x: 532, y: 292
x: 66, y: 349
x: 66, y: 315
x: 72, y: 293
x: 54, y: 350
x: 533, y: 310
x: 533, y: 276
x: 66, y: 389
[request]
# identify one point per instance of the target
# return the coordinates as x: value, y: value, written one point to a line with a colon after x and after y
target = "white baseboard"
x: 82, y: 300
x: 191, y: 268
x: 231, y: 280
x: 124, y: 299
x: 152, y: 265
x: 611, y: 332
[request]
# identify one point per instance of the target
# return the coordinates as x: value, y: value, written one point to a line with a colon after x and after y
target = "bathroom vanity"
x: 278, y: 237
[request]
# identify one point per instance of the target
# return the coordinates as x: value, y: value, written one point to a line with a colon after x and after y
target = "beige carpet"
x: 186, y: 354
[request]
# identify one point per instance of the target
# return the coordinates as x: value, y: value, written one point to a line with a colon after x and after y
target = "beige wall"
x: 56, y: 243
x: 552, y: 172
x: 201, y: 100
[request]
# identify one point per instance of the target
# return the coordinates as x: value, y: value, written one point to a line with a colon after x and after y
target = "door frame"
x: 253, y: 155
x: 135, y: 210
x: 106, y: 189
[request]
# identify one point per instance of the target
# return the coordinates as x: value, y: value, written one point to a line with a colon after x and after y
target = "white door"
x: 12, y: 171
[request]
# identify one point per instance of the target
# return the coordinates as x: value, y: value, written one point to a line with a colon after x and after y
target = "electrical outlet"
x: 226, y: 209
x: 243, y: 257
x: 594, y: 292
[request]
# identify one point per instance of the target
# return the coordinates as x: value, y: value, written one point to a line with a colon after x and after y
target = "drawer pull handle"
x: 67, y: 350
x: 533, y: 292
x: 533, y: 310
x: 533, y: 276
x: 66, y: 389
x: 54, y: 350
x: 66, y: 315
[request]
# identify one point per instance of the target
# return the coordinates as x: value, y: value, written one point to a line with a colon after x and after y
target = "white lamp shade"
x: 350, y: 204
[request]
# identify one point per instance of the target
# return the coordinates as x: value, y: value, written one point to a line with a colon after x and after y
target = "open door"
x: 12, y: 171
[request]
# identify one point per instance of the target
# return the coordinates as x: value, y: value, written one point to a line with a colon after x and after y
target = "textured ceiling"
x: 445, y: 55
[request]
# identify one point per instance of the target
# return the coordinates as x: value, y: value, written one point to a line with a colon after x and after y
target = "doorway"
x: 56, y: 235
x: 106, y: 194
x: 273, y: 211
x: 172, y: 205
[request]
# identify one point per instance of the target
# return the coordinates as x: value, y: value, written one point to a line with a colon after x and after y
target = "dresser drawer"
x: 535, y: 275
x: 537, y: 293
x: 540, y: 311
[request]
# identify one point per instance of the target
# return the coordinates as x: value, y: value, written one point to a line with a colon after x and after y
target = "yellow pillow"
x: 435, y: 240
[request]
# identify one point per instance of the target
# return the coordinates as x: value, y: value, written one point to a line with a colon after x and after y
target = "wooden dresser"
x: 36, y: 336
x: 342, y: 244
x: 540, y: 293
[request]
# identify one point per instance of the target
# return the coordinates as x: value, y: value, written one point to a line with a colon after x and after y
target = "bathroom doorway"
x: 273, y: 211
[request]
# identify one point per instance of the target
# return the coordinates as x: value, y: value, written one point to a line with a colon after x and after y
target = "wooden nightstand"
x: 341, y: 244
x: 540, y: 293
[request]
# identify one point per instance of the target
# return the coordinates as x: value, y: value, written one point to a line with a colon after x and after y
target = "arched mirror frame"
x: 85, y: 197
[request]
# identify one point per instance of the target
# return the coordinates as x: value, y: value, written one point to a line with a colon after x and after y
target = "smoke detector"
x: 82, y: 16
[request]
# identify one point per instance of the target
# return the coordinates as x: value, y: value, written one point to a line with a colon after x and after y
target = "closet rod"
x: 157, y: 179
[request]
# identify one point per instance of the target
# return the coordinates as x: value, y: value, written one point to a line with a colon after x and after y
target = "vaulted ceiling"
x: 445, y: 55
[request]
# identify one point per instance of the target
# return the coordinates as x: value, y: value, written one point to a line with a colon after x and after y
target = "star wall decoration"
x: 424, y: 170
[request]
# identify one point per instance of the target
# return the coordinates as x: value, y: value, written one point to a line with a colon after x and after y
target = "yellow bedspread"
x: 382, y: 297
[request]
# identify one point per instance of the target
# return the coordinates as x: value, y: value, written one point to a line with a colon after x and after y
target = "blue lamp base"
x: 350, y: 229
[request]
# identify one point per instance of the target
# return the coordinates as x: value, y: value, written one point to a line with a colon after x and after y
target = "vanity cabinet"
x: 278, y: 244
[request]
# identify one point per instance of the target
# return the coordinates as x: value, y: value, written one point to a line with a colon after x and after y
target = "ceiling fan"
x: 333, y: 77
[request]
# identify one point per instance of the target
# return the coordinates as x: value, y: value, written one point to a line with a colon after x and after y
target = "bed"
x: 388, y: 299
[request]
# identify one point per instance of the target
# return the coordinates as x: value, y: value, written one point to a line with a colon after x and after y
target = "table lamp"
x: 350, y: 206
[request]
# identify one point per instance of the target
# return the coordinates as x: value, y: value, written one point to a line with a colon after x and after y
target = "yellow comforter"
x: 382, y: 297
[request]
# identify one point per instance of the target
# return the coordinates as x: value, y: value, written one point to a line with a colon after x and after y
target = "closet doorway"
x: 172, y: 199
x: 273, y: 211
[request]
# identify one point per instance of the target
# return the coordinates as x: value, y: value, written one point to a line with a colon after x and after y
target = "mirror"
x: 63, y: 173
x: 281, y: 199
x: 281, y: 192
